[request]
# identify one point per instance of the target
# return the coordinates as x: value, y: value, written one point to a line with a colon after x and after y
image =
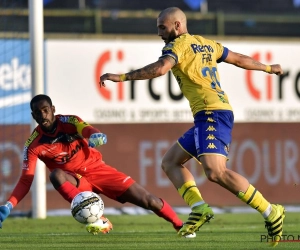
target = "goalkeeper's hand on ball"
x: 5, y: 211
x: 97, y: 139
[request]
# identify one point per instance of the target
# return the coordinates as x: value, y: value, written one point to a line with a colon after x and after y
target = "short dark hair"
x: 38, y: 98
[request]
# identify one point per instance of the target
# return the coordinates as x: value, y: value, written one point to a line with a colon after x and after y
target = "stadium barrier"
x: 99, y: 21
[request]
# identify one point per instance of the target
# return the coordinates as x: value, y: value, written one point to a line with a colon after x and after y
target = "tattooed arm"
x: 249, y: 63
x: 156, y: 69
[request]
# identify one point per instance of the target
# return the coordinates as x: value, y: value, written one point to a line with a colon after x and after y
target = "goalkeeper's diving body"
x: 65, y: 143
x: 193, y: 61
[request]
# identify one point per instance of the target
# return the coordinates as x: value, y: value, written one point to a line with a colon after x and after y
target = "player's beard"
x: 49, y: 126
x: 172, y: 36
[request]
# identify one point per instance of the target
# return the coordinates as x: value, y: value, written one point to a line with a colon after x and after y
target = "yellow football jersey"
x: 196, y: 71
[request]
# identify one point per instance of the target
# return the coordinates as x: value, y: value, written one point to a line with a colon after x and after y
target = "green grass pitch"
x: 143, y: 232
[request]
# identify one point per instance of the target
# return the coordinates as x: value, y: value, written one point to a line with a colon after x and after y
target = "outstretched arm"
x: 19, y: 192
x: 247, y: 62
x: 95, y: 137
x: 156, y: 69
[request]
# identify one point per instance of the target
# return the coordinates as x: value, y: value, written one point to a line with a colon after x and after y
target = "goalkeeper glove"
x: 5, y: 211
x: 97, y: 139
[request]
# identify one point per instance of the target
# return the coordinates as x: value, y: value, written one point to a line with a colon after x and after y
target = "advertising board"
x: 74, y: 68
x: 264, y: 153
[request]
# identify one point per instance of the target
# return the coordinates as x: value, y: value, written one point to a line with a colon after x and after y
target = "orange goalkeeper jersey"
x: 65, y: 149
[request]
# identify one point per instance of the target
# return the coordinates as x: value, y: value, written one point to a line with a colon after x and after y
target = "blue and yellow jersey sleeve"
x: 196, y: 71
x: 83, y: 128
x: 79, y: 124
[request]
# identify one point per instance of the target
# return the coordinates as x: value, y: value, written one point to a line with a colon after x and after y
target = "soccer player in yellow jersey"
x: 193, y: 60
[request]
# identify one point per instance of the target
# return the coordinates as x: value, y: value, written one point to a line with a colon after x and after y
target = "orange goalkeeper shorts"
x: 106, y: 180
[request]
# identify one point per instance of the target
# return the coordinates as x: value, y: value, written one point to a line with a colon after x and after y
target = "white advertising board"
x: 73, y: 69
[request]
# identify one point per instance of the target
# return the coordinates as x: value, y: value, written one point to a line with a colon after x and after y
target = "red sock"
x: 169, y: 214
x: 68, y: 191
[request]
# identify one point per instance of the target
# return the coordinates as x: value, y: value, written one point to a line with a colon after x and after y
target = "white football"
x: 87, y: 207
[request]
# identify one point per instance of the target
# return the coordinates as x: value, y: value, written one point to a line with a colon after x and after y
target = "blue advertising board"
x: 15, y: 81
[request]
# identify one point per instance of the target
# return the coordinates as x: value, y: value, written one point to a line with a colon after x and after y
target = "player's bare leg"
x: 172, y: 165
x: 184, y: 182
x: 216, y: 171
x: 139, y: 196
x: 64, y: 183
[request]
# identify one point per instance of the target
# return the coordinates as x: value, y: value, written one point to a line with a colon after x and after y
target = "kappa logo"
x: 210, y: 137
x: 226, y: 149
x: 211, y: 146
x: 211, y: 128
x: 209, y: 119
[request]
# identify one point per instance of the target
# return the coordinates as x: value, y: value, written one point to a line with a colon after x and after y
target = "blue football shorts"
x: 211, y: 134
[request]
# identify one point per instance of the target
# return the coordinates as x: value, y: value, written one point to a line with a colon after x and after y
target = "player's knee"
x: 167, y: 164
x: 214, y: 175
x: 57, y: 176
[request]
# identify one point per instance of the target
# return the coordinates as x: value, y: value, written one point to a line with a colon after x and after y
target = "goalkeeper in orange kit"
x: 65, y: 143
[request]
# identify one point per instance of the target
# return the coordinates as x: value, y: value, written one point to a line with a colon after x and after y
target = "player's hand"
x: 5, y: 211
x: 109, y: 76
x: 276, y: 69
x: 97, y: 139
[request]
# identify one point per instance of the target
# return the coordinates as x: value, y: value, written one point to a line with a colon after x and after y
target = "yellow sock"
x: 191, y: 194
x: 255, y: 199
